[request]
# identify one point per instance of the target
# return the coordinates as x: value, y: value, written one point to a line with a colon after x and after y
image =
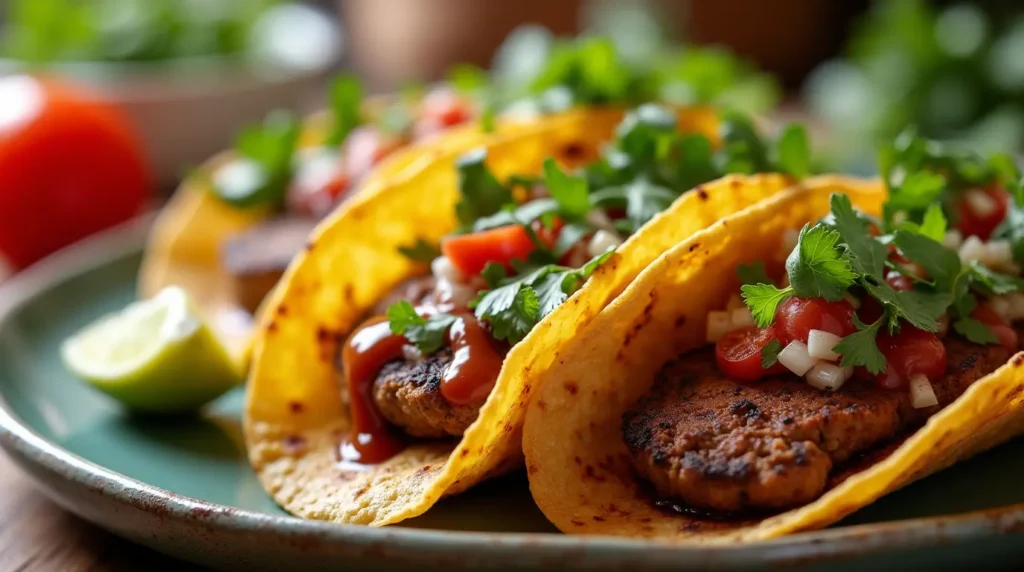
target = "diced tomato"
x: 738, y: 353
x: 318, y: 201
x: 364, y: 148
x: 899, y: 281
x: 471, y: 252
x: 548, y: 234
x: 970, y: 223
x: 441, y: 109
x: 908, y: 353
x: 796, y: 317
x: 1000, y: 327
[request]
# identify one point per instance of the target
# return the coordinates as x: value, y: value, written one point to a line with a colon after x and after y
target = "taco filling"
x: 875, y: 325
x: 424, y: 367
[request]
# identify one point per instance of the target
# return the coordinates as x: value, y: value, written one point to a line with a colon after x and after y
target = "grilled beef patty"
x: 715, y: 444
x: 408, y: 395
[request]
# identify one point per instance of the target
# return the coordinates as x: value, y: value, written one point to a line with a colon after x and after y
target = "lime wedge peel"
x: 156, y: 355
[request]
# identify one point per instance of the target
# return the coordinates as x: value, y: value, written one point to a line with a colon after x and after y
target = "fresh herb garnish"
x: 427, y: 334
x: 753, y: 273
x: 770, y: 353
x: 482, y: 194
x: 259, y: 176
x: 817, y: 267
x: 518, y: 304
x: 861, y: 347
x: 346, y: 99
x: 420, y: 251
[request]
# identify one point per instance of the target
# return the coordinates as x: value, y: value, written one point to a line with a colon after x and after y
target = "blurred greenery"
x: 955, y: 71
x: 43, y: 31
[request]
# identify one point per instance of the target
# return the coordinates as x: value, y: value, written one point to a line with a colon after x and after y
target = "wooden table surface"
x: 36, y: 534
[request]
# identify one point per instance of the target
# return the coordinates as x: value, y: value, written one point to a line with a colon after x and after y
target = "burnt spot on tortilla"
x: 680, y: 321
x: 282, y: 310
x: 360, y: 491
x: 294, y: 444
x: 645, y: 520
x: 578, y: 522
x: 702, y: 194
x: 348, y: 292
x: 598, y: 518
x: 310, y: 246
x: 272, y: 327
x: 572, y: 387
x: 1018, y: 360
x: 508, y: 427
x: 463, y: 453
x: 736, y: 184
x: 541, y: 405
x: 694, y: 246
x: 532, y: 469
x: 578, y: 460
x: 296, y: 407
x: 573, y: 151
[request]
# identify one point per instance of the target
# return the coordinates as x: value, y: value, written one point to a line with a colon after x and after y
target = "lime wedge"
x: 157, y: 355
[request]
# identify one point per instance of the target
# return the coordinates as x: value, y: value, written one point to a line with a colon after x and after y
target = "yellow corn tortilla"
x: 295, y: 415
x: 578, y: 465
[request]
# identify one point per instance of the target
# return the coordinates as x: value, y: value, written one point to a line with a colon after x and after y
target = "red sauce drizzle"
x: 367, y: 350
x: 476, y: 362
x: 469, y: 379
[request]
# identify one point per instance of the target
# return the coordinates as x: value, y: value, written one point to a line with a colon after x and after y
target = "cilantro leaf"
x: 770, y: 353
x: 516, y: 321
x: 346, y: 98
x: 934, y: 224
x: 868, y: 254
x: 427, y: 334
x: 941, y: 263
x: 975, y: 331
x: 921, y: 309
x: 861, y: 348
x: 570, y: 191
x: 696, y: 161
x: 523, y: 214
x: 753, y: 273
x: 992, y: 282
x: 482, y: 194
x: 794, y: 151
x: 817, y: 267
x: 493, y: 273
x: 763, y: 299
x: 260, y: 176
x: 421, y: 251
x: 917, y: 191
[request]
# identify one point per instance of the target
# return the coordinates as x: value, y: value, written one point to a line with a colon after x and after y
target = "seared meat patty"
x: 716, y: 444
x: 408, y: 394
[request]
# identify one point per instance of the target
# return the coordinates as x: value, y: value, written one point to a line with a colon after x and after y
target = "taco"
x: 793, y: 363
x: 389, y: 372
x: 233, y: 226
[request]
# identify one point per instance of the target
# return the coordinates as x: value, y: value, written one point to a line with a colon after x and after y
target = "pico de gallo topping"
x: 872, y: 299
x: 525, y: 244
x: 272, y: 170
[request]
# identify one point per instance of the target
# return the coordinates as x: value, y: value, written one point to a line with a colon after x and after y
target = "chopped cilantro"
x: 794, y: 151
x: 570, y: 191
x: 427, y: 334
x: 770, y: 353
x: 934, y: 223
x: 991, y: 282
x: 868, y: 254
x: 421, y: 251
x: 493, y: 273
x: 975, y: 331
x: 763, y: 299
x: 482, y: 194
x: 513, y: 306
x: 861, y: 347
x: 260, y: 176
x: 941, y: 263
x: 817, y: 267
x: 346, y: 98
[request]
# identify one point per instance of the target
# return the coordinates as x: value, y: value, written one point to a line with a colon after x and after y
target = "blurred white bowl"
x: 185, y: 110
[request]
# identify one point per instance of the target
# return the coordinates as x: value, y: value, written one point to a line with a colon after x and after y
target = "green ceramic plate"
x: 183, y: 487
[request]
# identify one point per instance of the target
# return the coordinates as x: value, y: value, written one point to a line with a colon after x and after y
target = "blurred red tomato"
x: 69, y: 166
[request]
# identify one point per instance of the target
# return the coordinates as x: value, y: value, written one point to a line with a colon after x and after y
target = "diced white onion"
x: 1016, y: 309
x: 602, y: 241
x: 599, y: 219
x: 789, y: 239
x: 411, y: 353
x: 796, y: 359
x: 972, y: 250
x: 980, y: 203
x: 820, y: 344
x: 921, y: 392
x: 826, y: 377
x: 443, y: 269
x: 459, y: 295
x: 735, y: 301
x: 719, y: 324
x: 740, y: 318
x: 998, y: 254
x: 953, y: 239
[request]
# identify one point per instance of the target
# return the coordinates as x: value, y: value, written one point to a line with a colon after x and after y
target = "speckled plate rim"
x: 48, y: 463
